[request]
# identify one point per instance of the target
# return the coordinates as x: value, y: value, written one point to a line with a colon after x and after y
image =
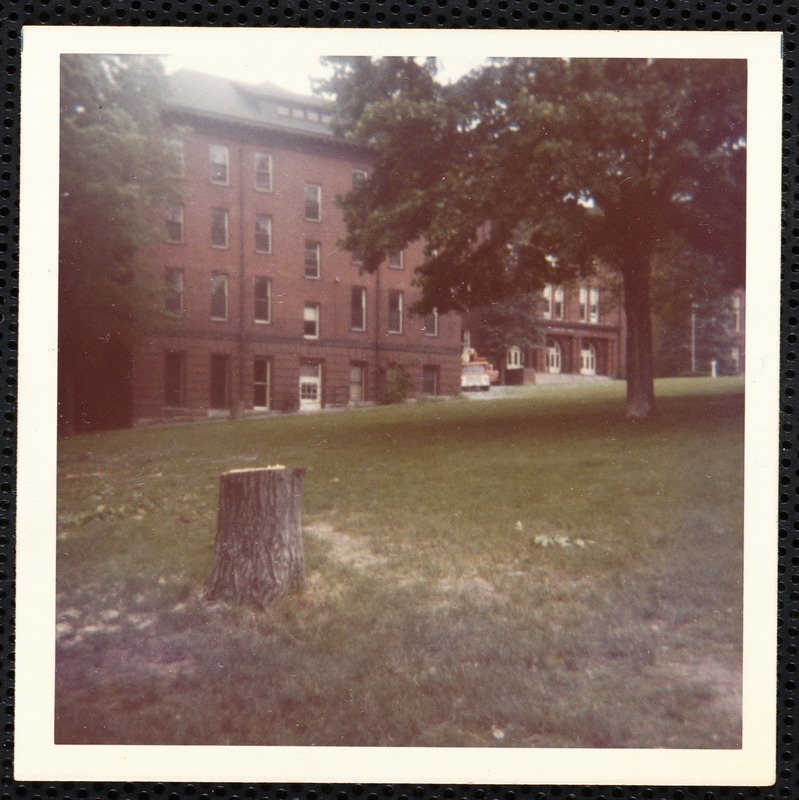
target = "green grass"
x: 432, y: 614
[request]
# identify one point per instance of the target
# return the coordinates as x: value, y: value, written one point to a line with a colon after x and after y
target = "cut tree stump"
x: 258, y: 550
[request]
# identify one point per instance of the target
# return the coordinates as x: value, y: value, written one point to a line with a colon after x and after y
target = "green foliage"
x: 528, y: 170
x: 115, y: 174
x: 394, y: 385
x: 508, y: 323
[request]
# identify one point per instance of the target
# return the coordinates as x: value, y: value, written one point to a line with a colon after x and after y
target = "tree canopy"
x: 114, y: 173
x: 533, y: 170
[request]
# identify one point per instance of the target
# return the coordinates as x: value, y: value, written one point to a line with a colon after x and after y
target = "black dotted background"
x: 744, y: 15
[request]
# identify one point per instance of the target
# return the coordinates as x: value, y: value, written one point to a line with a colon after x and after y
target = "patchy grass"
x: 532, y: 571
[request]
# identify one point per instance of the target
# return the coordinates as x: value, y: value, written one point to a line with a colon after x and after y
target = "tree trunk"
x: 640, y: 366
x: 258, y: 551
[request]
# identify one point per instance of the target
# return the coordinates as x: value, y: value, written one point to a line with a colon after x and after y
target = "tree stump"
x: 258, y: 550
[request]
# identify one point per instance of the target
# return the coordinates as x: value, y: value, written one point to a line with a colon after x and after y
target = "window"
x: 173, y: 300
x: 357, y: 382
x: 311, y: 321
x: 260, y: 382
x: 220, y: 370
x: 175, y: 148
x: 310, y: 385
x: 219, y: 294
x: 263, y: 300
x: 358, y: 177
x: 395, y: 260
x: 394, y: 312
x: 219, y: 164
x: 263, y: 233
x: 174, y: 223
x: 593, y: 304
x: 546, y: 293
x: 219, y: 227
x: 583, y: 304
x: 313, y: 202
x: 174, y: 379
x: 358, y: 309
x: 430, y: 380
x: 514, y: 358
x: 263, y: 172
x: 557, y: 302
x: 313, y: 251
x: 431, y: 324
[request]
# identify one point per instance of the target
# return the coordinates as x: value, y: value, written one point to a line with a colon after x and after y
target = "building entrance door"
x: 588, y: 360
x: 310, y: 386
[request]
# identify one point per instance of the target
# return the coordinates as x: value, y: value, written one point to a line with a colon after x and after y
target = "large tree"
x: 114, y: 175
x: 534, y: 170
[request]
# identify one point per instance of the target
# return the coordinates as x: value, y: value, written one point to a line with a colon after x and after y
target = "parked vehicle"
x: 476, y: 376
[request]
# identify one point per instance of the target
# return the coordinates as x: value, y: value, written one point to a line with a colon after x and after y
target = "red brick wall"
x: 282, y: 340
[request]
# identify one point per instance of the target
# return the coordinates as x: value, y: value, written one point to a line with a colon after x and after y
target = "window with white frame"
x: 358, y: 309
x: 260, y: 382
x: 263, y: 172
x: 174, y: 379
x: 173, y: 299
x: 174, y: 223
x: 313, y: 202
x: 430, y: 325
x: 313, y: 259
x: 558, y: 304
x: 593, y: 304
x: 311, y: 321
x: 395, y: 303
x: 553, y: 356
x: 514, y: 358
x: 263, y: 233
x: 219, y: 227
x: 263, y: 300
x: 357, y: 382
x: 736, y: 314
x: 546, y: 293
x: 395, y: 259
x: 219, y: 164
x: 219, y: 296
x: 583, y: 304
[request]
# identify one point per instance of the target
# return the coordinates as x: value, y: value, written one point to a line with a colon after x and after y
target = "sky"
x: 293, y: 72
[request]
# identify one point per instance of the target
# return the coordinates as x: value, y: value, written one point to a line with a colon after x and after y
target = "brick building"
x: 581, y: 336
x: 264, y: 310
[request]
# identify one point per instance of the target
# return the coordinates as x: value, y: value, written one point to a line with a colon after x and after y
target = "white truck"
x: 476, y: 376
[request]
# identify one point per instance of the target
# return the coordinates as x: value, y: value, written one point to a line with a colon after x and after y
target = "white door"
x: 588, y: 360
x: 310, y: 386
x: 553, y: 357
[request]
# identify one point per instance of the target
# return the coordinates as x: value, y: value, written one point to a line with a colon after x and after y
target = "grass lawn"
x: 532, y: 571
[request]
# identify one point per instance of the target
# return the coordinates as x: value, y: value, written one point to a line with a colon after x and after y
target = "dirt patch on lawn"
x: 344, y: 547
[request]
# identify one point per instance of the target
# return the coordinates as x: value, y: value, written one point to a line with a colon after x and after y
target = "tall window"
x: 431, y: 323
x: 313, y: 258
x: 394, y: 311
x: 174, y: 223
x: 583, y: 304
x: 553, y: 356
x: 395, y: 260
x: 263, y: 172
x: 219, y: 296
x: 263, y: 233
x: 514, y: 358
x: 358, y: 309
x: 313, y: 202
x: 173, y: 299
x: 311, y: 321
x: 260, y: 382
x: 174, y: 379
x: 175, y: 147
x: 357, y: 382
x: 558, y: 303
x: 219, y: 227
x: 219, y: 164
x: 546, y: 293
x: 736, y: 314
x: 263, y: 300
x: 593, y: 304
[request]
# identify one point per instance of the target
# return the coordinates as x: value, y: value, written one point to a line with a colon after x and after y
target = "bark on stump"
x: 258, y: 550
